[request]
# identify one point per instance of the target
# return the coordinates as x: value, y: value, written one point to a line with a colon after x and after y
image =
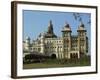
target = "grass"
x: 52, y: 63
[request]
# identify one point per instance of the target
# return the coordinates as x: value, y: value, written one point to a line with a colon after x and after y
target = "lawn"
x: 52, y: 63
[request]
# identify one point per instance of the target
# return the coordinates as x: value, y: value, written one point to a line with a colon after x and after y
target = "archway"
x: 53, y: 56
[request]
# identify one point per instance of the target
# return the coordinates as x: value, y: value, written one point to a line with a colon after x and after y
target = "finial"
x: 50, y: 21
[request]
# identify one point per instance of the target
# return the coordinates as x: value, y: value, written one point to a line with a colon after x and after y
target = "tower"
x: 27, y: 44
x: 82, y: 39
x: 50, y: 33
x: 66, y: 34
x: 42, y: 43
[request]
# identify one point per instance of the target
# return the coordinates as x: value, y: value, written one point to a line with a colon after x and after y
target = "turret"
x: 81, y: 30
x: 27, y: 44
x: 27, y: 40
x: 66, y: 31
x: 66, y: 34
x: 82, y: 39
x: 42, y: 43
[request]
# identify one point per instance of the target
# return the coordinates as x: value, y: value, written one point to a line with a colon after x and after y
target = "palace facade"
x: 68, y: 46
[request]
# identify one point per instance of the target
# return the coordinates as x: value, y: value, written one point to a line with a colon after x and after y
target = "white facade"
x: 67, y: 46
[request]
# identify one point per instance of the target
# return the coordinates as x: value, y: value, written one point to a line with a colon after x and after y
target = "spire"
x: 50, y: 23
x: 50, y: 33
x: 50, y: 27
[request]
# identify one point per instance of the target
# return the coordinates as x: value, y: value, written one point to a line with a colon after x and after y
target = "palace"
x: 65, y: 47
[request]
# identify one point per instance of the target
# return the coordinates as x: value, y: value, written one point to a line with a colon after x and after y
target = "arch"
x: 53, y: 56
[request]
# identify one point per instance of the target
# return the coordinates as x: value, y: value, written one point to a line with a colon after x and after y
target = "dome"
x: 81, y: 26
x: 27, y: 38
x: 66, y: 27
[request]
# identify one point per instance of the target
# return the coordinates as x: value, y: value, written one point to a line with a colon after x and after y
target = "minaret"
x: 66, y: 34
x: 82, y: 39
